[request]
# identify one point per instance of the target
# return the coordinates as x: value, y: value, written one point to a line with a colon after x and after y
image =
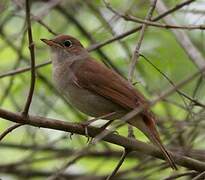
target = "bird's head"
x: 65, y: 48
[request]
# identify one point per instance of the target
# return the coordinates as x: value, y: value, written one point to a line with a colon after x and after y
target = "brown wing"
x: 101, y: 80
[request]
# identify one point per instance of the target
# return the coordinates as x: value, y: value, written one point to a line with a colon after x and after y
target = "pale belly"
x: 92, y: 104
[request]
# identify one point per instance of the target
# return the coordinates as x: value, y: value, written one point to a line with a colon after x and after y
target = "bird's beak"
x: 48, y: 42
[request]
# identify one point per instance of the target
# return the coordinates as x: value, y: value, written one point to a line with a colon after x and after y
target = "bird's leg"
x: 87, y: 123
x: 85, y: 126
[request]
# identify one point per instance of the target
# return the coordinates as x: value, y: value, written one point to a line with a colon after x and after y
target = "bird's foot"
x: 87, y: 123
x: 85, y: 126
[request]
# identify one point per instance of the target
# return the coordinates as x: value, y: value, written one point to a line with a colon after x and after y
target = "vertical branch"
x: 32, y: 56
x: 136, y: 53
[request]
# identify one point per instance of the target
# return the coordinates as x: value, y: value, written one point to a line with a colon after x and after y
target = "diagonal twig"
x: 122, y: 159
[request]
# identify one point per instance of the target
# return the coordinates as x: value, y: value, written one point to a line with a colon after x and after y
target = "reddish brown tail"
x: 147, y: 126
x: 157, y: 141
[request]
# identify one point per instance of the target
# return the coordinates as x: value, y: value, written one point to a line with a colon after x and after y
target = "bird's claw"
x: 87, y: 123
x: 87, y: 135
x: 85, y: 126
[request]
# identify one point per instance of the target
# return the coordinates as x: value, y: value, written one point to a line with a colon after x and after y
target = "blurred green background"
x: 31, y: 149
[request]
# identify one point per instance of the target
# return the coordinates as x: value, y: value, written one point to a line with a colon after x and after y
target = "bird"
x: 97, y: 90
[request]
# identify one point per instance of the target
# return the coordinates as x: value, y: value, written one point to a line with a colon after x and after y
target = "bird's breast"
x: 84, y: 100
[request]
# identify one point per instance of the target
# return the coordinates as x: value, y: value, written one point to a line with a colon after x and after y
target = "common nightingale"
x: 97, y: 90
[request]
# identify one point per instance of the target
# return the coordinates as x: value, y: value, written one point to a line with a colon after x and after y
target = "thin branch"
x: 136, y: 53
x: 128, y: 17
x: 38, y: 19
x: 10, y: 129
x: 122, y: 159
x: 170, y: 11
x: 32, y: 56
x: 22, y: 70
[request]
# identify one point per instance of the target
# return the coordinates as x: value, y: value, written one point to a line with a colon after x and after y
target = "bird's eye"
x: 67, y: 43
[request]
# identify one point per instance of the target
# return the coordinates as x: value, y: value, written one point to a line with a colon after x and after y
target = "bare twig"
x: 22, y: 70
x: 172, y: 10
x: 128, y: 17
x: 122, y: 159
x: 136, y: 53
x: 32, y: 56
x: 39, y: 20
x: 10, y: 129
